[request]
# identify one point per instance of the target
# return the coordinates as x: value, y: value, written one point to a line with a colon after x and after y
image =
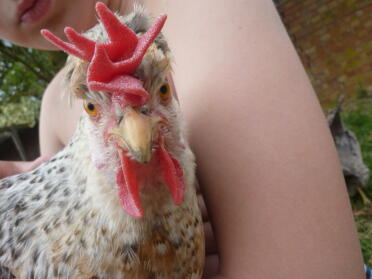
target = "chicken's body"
x: 65, y: 219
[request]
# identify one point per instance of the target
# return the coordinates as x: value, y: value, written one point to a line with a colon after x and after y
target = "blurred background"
x: 334, y: 41
x: 24, y: 74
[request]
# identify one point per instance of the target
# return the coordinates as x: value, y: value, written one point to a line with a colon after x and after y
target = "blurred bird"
x: 119, y: 201
x: 355, y: 171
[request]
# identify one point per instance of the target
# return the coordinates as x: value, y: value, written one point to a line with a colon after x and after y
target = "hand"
x: 211, y: 252
x: 8, y: 168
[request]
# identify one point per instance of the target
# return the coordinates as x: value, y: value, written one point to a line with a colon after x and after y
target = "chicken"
x: 119, y: 201
x: 355, y: 171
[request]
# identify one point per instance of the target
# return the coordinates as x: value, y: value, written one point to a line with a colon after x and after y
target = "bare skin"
x: 267, y: 165
x: 10, y: 168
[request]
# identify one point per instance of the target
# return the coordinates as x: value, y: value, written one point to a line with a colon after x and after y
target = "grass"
x: 364, y: 226
x: 357, y: 116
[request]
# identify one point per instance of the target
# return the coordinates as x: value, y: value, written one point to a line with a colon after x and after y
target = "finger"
x: 44, y: 158
x: 210, y: 242
x: 197, y: 187
x: 37, y: 162
x: 211, y: 266
x: 203, y: 208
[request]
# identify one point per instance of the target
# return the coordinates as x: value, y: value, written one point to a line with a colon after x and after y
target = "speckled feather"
x: 64, y: 219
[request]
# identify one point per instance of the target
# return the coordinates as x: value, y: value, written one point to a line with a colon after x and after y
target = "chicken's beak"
x: 135, y: 133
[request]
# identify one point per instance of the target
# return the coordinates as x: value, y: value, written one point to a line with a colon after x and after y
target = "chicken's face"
x: 138, y: 140
x: 132, y: 118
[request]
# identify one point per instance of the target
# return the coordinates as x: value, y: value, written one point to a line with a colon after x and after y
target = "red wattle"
x: 172, y: 174
x: 128, y: 184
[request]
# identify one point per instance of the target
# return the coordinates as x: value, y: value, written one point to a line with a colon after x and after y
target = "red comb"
x: 112, y: 63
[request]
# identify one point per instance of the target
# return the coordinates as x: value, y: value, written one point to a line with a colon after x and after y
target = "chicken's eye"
x: 164, y: 91
x: 91, y: 109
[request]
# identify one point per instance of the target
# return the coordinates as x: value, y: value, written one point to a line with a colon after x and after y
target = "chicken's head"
x: 131, y: 113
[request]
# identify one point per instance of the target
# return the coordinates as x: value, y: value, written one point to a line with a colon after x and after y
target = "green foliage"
x: 364, y: 225
x: 24, y: 74
x: 359, y: 120
x: 24, y: 113
x: 362, y: 93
